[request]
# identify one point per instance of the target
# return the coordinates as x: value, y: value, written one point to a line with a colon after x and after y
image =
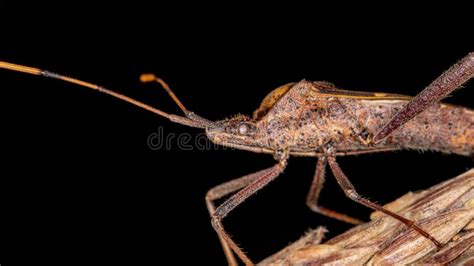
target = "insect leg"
x: 223, y: 190
x: 315, y: 190
x: 351, y: 193
x: 450, y: 80
x: 252, y: 183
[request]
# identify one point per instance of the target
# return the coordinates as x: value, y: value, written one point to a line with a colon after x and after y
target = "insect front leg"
x: 315, y: 190
x: 450, y: 80
x: 351, y: 193
x: 248, y: 184
x: 223, y: 190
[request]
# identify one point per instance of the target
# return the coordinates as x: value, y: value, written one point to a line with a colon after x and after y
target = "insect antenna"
x: 146, y: 78
x: 191, y: 119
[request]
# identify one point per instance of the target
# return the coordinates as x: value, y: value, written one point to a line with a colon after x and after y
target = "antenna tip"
x: 147, y: 78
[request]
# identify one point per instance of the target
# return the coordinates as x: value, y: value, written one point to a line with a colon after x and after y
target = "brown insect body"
x: 317, y: 119
x: 307, y: 116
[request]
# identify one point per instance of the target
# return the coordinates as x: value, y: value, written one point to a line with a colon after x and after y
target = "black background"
x: 79, y: 178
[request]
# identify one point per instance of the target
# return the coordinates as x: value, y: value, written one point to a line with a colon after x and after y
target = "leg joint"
x: 313, y: 206
x: 209, y: 195
x: 216, y: 222
x: 352, y: 194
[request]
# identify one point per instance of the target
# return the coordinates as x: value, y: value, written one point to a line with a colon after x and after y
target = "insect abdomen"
x: 444, y: 128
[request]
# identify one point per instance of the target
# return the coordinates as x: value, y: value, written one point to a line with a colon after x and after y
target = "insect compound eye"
x: 243, y: 129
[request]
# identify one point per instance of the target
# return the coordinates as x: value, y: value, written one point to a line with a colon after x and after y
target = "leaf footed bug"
x: 317, y: 119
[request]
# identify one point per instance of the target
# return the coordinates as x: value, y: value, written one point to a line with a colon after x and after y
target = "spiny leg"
x: 261, y: 179
x: 315, y: 190
x: 223, y: 190
x: 450, y: 80
x: 351, y: 193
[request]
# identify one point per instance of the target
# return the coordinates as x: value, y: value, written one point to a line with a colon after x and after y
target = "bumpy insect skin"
x: 281, y: 123
x: 443, y: 128
x: 317, y: 119
x: 310, y: 115
x: 348, y: 121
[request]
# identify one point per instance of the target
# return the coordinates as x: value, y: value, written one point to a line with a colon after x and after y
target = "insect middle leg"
x: 248, y: 184
x: 315, y: 190
x: 351, y: 193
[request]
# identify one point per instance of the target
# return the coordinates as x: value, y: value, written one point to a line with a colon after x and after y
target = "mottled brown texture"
x: 343, y: 121
x: 317, y: 119
x: 310, y: 115
x: 445, y: 210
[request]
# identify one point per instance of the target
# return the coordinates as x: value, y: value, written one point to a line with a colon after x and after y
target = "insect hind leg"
x: 351, y: 193
x: 450, y: 80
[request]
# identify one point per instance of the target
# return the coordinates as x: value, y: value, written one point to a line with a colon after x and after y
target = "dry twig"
x: 446, y: 211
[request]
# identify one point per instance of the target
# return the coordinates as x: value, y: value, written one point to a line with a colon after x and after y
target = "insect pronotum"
x: 318, y: 120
